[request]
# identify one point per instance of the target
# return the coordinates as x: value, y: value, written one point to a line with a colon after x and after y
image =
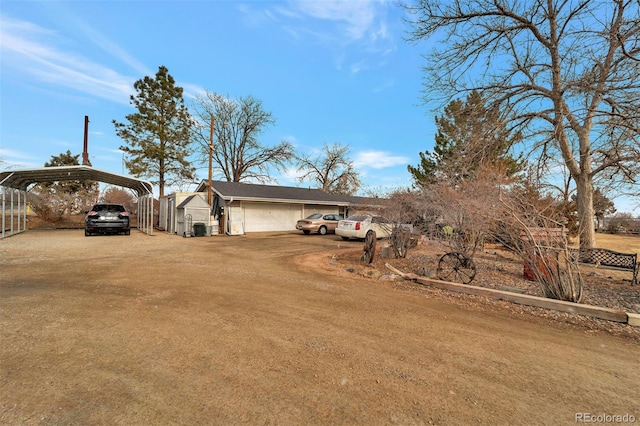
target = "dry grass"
x: 625, y: 243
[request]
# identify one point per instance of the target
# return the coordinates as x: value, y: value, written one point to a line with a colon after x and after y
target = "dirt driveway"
x: 246, y: 330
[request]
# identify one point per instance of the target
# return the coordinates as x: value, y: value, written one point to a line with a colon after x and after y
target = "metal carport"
x: 14, y: 185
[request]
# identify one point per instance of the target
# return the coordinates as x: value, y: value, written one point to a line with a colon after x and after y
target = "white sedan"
x: 357, y: 226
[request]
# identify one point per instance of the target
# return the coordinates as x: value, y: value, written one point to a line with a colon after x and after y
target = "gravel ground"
x: 273, y: 329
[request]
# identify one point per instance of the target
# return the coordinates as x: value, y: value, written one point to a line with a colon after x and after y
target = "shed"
x: 168, y: 211
x: 194, y: 207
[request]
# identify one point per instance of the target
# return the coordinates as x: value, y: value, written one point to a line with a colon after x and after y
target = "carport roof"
x: 22, y: 178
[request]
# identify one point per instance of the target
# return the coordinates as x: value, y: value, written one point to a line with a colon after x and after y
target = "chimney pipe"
x: 85, y: 151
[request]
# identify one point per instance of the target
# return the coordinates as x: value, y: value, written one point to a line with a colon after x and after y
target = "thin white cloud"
x: 284, y: 11
x: 356, y: 31
x: 192, y: 91
x: 14, y: 155
x: 255, y: 17
x: 388, y: 84
x: 379, y: 159
x: 10, y: 159
x: 346, y: 20
x: 111, y: 48
x: 291, y: 174
x: 355, y: 18
x: 351, y: 30
x: 30, y: 53
x: 356, y: 67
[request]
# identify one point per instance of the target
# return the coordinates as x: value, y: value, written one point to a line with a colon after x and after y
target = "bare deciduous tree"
x: 622, y: 222
x: 331, y: 170
x: 564, y: 74
x: 469, y: 208
x: 53, y: 201
x: 122, y: 196
x: 238, y: 154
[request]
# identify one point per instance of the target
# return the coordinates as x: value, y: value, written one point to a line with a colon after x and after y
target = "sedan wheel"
x: 322, y: 230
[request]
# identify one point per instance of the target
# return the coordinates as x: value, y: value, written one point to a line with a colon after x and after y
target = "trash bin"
x: 199, y: 229
x: 208, y: 230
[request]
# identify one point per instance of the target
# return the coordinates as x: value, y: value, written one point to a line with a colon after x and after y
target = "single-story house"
x: 239, y: 208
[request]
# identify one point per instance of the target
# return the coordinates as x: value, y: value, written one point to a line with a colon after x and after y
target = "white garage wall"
x: 264, y: 217
x: 312, y: 208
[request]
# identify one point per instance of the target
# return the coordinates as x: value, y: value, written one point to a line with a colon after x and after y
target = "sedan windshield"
x: 358, y: 218
x: 114, y: 208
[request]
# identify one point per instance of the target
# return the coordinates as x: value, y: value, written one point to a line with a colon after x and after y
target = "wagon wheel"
x: 456, y: 267
x: 369, y: 247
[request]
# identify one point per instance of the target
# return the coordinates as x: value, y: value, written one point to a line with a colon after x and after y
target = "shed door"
x: 261, y: 217
x: 171, y: 219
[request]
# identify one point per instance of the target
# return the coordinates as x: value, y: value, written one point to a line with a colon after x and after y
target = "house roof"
x: 196, y: 200
x: 259, y: 192
x: 277, y: 193
x: 22, y: 178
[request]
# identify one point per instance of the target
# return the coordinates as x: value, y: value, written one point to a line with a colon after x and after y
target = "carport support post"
x: 4, y: 191
x: 145, y: 213
x: 11, y: 209
x: 19, y: 210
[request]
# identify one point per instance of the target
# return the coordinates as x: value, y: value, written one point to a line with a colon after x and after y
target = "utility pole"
x: 210, y: 185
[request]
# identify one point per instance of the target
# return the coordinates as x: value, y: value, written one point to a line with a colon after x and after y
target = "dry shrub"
x: 490, y: 207
x: 542, y: 244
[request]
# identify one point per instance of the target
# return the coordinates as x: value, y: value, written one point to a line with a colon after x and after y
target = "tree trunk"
x: 580, y: 171
x: 584, y: 197
x: 161, y: 179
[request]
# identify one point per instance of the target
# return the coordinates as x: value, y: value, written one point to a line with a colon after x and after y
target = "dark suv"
x: 105, y: 217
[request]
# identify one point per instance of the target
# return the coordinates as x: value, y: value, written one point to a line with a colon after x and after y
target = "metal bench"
x: 608, y: 259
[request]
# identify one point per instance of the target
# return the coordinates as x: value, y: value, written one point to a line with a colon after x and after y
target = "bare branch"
x: 563, y: 74
x: 238, y: 155
x: 331, y: 169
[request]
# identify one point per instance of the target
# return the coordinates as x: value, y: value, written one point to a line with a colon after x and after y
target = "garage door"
x: 261, y: 217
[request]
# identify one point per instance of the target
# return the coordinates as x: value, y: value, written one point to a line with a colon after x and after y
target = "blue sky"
x: 328, y: 70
